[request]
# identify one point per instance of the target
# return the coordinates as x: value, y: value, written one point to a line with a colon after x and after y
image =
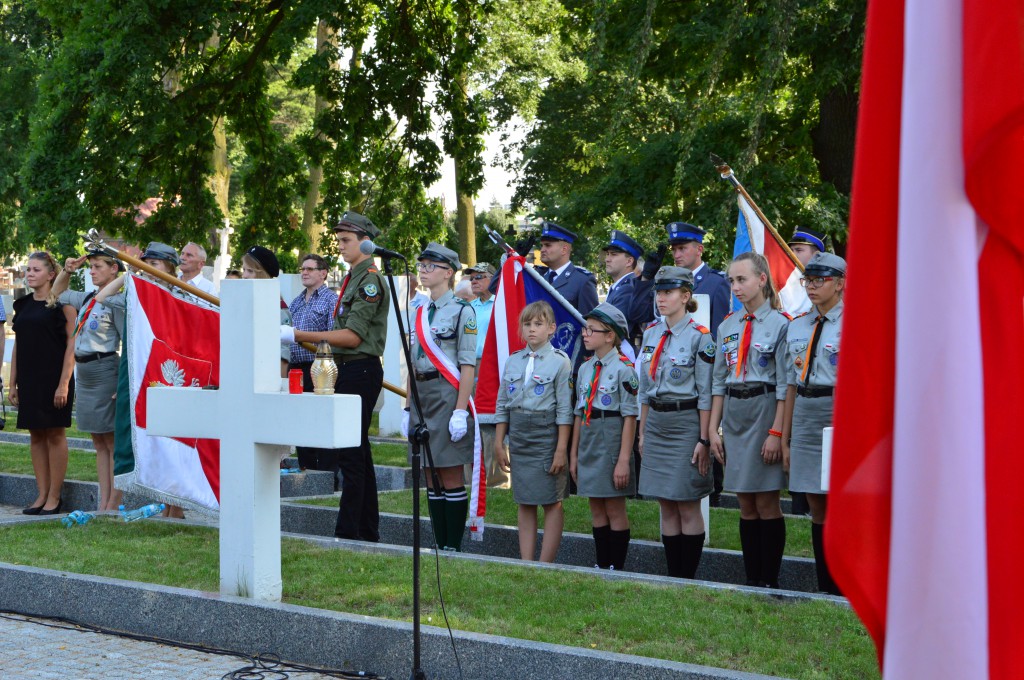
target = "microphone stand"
x: 419, y: 438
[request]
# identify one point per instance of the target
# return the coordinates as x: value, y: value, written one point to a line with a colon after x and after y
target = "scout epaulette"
x: 558, y: 351
x: 728, y: 315
x: 785, y: 314
x: 624, y: 359
x: 801, y: 315
x: 702, y: 329
x: 652, y: 324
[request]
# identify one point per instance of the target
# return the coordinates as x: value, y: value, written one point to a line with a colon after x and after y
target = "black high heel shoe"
x: 56, y: 510
x: 32, y: 511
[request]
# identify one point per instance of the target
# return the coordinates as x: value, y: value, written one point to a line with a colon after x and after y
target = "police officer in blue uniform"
x: 620, y: 258
x: 577, y: 285
x: 806, y: 243
x: 687, y: 243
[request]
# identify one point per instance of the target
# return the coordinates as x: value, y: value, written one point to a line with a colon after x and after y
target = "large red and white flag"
x: 171, y: 341
x: 502, y: 333
x: 750, y: 229
x: 923, y: 533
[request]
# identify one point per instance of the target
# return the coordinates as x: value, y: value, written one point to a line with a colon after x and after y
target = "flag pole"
x: 93, y: 241
x: 727, y: 174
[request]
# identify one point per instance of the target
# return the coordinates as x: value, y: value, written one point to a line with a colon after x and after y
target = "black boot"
x: 673, y: 555
x: 602, y: 538
x: 773, y: 544
x: 693, y: 548
x: 750, y: 543
x: 825, y: 582
x: 618, y: 548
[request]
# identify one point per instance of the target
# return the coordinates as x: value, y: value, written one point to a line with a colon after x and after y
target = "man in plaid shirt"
x: 312, y: 310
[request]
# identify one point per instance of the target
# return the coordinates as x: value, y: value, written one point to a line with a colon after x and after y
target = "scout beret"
x: 438, y: 253
x: 482, y: 267
x: 622, y: 241
x: 611, y: 316
x: 552, y: 232
x: 671, y: 277
x: 681, y: 232
x: 267, y: 260
x: 357, y: 224
x: 804, y: 235
x: 825, y: 264
x: 161, y: 251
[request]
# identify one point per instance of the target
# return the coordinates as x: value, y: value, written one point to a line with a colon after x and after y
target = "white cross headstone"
x: 249, y: 414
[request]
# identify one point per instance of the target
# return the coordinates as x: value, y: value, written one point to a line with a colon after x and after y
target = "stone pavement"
x: 33, y: 650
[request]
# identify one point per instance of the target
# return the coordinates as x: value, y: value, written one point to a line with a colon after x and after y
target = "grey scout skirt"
x: 532, y: 438
x: 600, y: 442
x: 96, y: 384
x: 438, y: 398
x: 810, y: 415
x: 665, y: 468
x: 745, y: 425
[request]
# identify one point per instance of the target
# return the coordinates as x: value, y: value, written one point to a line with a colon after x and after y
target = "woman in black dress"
x: 42, y: 381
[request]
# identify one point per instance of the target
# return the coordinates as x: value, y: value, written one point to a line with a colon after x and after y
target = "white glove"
x: 501, y: 263
x: 457, y: 426
x: 405, y: 424
x: 287, y: 335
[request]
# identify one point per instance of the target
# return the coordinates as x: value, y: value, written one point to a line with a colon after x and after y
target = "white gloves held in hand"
x: 287, y: 335
x: 405, y: 424
x: 457, y: 426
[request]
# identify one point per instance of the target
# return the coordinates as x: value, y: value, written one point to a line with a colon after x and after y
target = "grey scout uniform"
x: 601, y: 439
x: 534, y: 406
x: 452, y: 324
x: 680, y: 387
x: 750, y: 398
x: 96, y: 346
x: 813, y: 408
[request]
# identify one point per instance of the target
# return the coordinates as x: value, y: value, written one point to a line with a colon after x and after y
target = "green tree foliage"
x: 769, y: 85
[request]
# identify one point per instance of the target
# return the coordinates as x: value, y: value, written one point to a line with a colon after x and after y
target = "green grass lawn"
x: 643, y: 518
x: 680, y: 623
x: 16, y: 459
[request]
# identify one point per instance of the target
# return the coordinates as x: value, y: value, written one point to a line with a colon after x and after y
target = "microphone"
x: 368, y: 248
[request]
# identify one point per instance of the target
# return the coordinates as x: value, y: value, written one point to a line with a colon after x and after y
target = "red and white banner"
x: 923, y: 532
x: 450, y: 371
x: 502, y: 333
x: 174, y: 342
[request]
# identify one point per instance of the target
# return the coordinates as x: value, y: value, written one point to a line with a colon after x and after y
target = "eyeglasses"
x: 311, y: 269
x: 429, y: 266
x: 479, y: 277
x: 815, y: 281
x: 588, y: 331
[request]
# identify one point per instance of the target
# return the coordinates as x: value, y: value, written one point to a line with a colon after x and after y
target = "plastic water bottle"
x: 145, y: 512
x: 77, y: 517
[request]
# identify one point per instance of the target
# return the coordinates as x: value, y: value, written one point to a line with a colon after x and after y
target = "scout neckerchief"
x: 741, y: 363
x: 447, y: 368
x: 341, y: 293
x: 83, y: 315
x: 809, y: 359
x: 657, y: 352
x: 592, y: 392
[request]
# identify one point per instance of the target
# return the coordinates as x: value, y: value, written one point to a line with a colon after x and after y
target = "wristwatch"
x: 705, y: 442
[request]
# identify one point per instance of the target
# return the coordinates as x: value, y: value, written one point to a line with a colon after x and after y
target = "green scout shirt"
x: 364, y: 309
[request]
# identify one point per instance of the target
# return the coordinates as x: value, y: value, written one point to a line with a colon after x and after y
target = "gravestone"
x: 250, y: 414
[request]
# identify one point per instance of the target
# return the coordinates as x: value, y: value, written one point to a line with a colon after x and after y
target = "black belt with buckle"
x: 348, y: 358
x: 422, y: 376
x: 86, y: 358
x: 662, y: 406
x: 813, y: 392
x: 604, y: 413
x: 748, y: 391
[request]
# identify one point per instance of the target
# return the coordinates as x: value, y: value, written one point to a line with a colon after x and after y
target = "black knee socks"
x: 619, y: 541
x: 602, y: 540
x: 750, y: 543
x: 773, y: 545
x: 456, y: 508
x: 825, y: 582
x: 436, y: 507
x: 692, y: 549
x: 673, y: 555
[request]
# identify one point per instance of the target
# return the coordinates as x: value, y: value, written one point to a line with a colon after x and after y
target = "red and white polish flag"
x: 923, y: 533
x: 502, y: 333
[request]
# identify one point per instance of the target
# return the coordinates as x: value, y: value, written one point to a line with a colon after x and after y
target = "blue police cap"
x: 804, y: 235
x: 553, y: 232
x: 622, y: 241
x: 680, y: 232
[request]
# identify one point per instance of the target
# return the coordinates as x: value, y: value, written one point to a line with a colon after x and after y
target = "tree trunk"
x: 465, y: 217
x: 220, y: 170
x: 833, y: 137
x: 314, y: 229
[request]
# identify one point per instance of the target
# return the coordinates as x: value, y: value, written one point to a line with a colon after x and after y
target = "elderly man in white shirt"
x: 193, y: 259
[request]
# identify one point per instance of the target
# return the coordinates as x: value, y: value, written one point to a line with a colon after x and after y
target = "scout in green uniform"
x: 601, y: 459
x: 813, y: 363
x: 447, y: 355
x: 358, y: 338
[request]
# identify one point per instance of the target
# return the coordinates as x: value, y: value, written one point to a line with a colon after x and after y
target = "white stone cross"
x: 249, y: 414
